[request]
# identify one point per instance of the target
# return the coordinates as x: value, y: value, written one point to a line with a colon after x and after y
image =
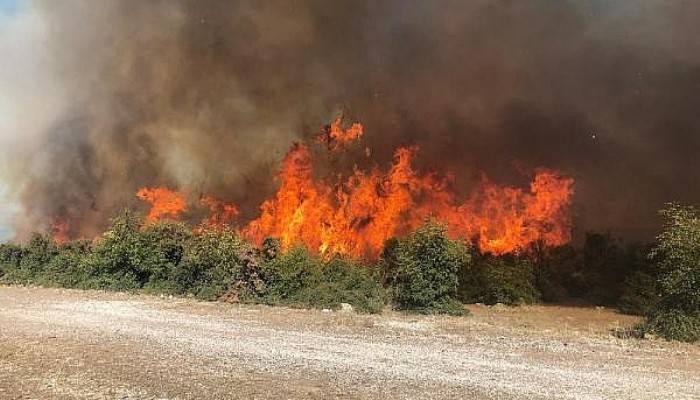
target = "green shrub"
x: 639, y: 294
x: 290, y: 273
x: 159, y: 253
x: 298, y: 278
x: 425, y: 274
x: 34, y: 258
x: 166, y: 257
x: 677, y: 313
x: 64, y: 270
x: 216, y: 261
x: 602, y: 272
x: 674, y: 324
x: 560, y: 275
x: 129, y: 256
x: 115, y: 262
x: 345, y: 281
x: 604, y: 268
x: 10, y: 257
x: 507, y: 279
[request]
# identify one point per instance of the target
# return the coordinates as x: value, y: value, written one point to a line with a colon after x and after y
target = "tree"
x: 426, y: 271
x: 677, y: 315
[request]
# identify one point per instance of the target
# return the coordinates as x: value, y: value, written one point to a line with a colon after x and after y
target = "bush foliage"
x: 505, y: 279
x: 424, y: 269
x: 298, y: 278
x: 677, y: 313
x: 169, y: 258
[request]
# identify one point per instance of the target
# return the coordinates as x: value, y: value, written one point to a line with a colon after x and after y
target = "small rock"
x: 345, y: 307
x: 326, y: 310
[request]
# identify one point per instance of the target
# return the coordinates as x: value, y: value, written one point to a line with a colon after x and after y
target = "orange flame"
x: 367, y: 209
x: 335, y: 137
x: 357, y: 214
x: 164, y: 203
x: 221, y: 214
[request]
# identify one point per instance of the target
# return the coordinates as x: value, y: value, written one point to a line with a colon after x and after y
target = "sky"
x: 9, y: 7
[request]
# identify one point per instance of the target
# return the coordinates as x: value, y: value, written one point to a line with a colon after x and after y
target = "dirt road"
x: 71, y: 344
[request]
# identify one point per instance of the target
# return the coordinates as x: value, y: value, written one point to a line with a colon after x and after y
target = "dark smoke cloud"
x: 208, y: 95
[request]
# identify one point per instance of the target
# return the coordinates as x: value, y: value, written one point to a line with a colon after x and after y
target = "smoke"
x: 206, y: 96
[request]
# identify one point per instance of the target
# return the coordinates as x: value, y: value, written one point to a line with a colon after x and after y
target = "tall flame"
x: 367, y: 209
x: 357, y: 214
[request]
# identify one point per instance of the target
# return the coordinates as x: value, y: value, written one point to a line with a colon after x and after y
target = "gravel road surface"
x: 65, y: 344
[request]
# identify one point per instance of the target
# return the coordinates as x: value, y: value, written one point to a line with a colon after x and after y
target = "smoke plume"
x: 207, y: 96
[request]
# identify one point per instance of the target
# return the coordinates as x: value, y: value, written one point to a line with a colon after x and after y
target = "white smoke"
x: 31, y: 99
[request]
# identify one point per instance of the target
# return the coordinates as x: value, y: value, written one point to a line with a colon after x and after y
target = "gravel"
x: 72, y: 344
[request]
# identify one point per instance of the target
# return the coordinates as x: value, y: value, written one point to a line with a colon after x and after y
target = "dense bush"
x: 677, y: 313
x: 297, y: 278
x: 10, y: 257
x: 65, y: 268
x: 216, y: 262
x: 505, y: 279
x: 166, y: 257
x: 29, y: 263
x: 604, y: 268
x: 116, y: 260
x: 639, y: 293
x: 602, y: 272
x: 131, y: 256
x: 560, y: 275
x: 425, y: 272
x: 424, y: 269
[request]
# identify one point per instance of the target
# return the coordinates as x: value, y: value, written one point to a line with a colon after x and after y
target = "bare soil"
x: 65, y: 344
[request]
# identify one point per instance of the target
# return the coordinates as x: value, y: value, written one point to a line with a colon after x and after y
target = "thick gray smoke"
x: 206, y: 96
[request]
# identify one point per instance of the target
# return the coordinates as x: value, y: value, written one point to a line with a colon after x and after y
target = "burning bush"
x: 677, y: 315
x: 425, y: 274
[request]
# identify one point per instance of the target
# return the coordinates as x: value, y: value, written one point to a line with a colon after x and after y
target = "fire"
x: 60, y: 231
x: 296, y: 214
x: 335, y: 137
x: 506, y: 219
x: 221, y: 214
x: 164, y: 203
x: 357, y: 215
